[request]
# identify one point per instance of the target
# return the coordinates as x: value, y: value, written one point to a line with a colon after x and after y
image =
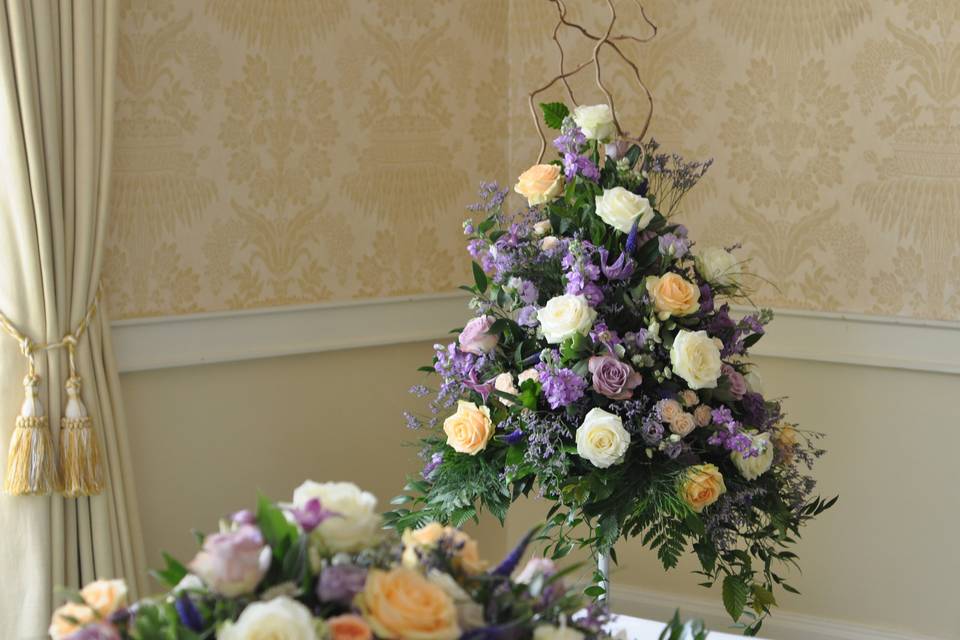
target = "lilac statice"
x: 491, y: 197
x: 435, y: 460
x: 413, y: 422
x: 457, y: 371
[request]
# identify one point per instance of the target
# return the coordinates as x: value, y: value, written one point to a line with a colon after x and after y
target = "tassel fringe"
x: 30, y: 467
x: 80, y: 470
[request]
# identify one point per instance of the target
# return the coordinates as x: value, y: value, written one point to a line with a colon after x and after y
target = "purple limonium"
x: 413, y: 422
x: 673, y: 246
x: 312, y: 514
x: 435, y: 461
x: 514, y: 436
x: 341, y: 583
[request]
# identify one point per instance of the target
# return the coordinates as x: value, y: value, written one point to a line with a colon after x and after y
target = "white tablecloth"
x: 640, y: 629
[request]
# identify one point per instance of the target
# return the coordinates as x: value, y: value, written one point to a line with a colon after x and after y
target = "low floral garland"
x: 605, y: 368
x: 323, y: 567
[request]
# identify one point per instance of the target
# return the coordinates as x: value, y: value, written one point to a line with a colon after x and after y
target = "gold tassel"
x: 30, y: 466
x: 81, y: 473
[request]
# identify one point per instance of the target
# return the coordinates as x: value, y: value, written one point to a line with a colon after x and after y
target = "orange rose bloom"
x: 349, y: 627
x: 401, y: 604
x: 701, y: 486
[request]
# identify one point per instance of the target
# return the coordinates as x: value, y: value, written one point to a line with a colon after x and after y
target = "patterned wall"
x: 304, y: 151
x: 296, y: 151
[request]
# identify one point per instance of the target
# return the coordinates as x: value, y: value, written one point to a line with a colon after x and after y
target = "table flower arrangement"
x: 605, y: 369
x: 323, y: 567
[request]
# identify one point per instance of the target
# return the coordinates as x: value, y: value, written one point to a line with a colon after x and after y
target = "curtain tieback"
x: 31, y: 467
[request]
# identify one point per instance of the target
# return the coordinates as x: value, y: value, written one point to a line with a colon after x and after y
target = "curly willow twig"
x: 609, y: 40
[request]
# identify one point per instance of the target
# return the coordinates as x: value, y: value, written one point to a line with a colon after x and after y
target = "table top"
x: 640, y: 629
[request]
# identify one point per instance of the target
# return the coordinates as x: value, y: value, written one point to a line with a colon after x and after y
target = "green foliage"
x: 172, y: 573
x: 735, y: 592
x: 690, y: 630
x: 554, y: 113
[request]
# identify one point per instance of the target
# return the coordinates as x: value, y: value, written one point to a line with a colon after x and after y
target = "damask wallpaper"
x: 292, y: 152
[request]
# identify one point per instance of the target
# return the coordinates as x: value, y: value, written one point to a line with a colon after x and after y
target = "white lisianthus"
x: 620, y: 208
x: 281, y: 617
x: 596, y: 121
x: 565, y: 316
x: 551, y: 632
x: 356, y: 524
x: 696, y: 359
x: 717, y: 266
x: 755, y: 466
x: 601, y: 438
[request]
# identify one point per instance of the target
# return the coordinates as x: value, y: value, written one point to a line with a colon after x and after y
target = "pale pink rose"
x: 475, y: 337
x: 669, y: 409
x: 683, y: 424
x: 701, y: 415
x: 738, y: 385
x: 232, y: 563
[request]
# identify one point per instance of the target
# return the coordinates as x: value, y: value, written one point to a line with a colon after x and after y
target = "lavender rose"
x: 612, y: 378
x: 738, y: 384
x: 475, y: 337
x: 232, y: 563
x: 340, y: 583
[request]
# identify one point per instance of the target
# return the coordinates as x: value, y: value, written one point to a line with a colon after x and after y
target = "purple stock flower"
x: 341, y: 583
x: 431, y: 466
x: 722, y: 415
x: 561, y: 387
x: 311, y: 515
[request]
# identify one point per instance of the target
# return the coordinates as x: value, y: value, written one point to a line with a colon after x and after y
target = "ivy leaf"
x: 480, y: 277
x: 554, y: 113
x: 735, y: 592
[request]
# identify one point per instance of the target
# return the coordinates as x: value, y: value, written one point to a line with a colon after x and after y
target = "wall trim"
x: 782, y: 625
x: 204, y: 338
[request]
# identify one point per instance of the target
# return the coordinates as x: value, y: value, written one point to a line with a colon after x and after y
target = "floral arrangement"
x: 606, y: 369
x: 323, y: 567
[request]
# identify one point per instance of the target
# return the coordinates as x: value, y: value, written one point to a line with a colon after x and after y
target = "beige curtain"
x: 57, y: 62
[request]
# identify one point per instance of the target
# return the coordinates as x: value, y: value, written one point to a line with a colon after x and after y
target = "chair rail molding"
x: 205, y: 338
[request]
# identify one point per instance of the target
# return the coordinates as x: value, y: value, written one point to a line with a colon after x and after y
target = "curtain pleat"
x: 57, y: 68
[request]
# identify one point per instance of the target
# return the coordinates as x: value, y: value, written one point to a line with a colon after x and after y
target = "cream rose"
x: 469, y: 429
x: 564, y: 316
x: 540, y: 183
x: 696, y: 359
x: 403, y: 604
x: 601, y: 438
x: 549, y: 243
x: 595, y: 121
x: 701, y: 486
x: 356, y: 524
x: 673, y: 295
x: 683, y: 424
x: 620, y: 209
x: 551, y: 632
x: 717, y: 266
x: 753, y: 467
x: 504, y: 383
x: 542, y: 228
x: 281, y: 617
x: 528, y: 374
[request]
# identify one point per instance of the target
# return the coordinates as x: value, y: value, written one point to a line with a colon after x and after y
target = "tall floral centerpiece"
x: 606, y: 372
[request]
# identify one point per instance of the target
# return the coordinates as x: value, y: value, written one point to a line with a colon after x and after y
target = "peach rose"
x: 467, y: 556
x: 69, y: 619
x: 349, y: 627
x: 689, y: 397
x: 469, y: 429
x: 683, y: 424
x: 403, y: 604
x: 540, y: 183
x: 105, y: 596
x: 669, y: 409
x: 702, y: 415
x: 787, y: 440
x: 701, y: 486
x: 673, y: 295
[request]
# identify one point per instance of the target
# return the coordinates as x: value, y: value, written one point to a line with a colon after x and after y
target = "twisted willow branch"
x: 609, y: 40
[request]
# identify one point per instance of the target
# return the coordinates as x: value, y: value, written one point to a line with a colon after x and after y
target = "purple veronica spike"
x: 631, y: 245
x: 514, y: 437
x: 508, y: 564
x: 188, y: 613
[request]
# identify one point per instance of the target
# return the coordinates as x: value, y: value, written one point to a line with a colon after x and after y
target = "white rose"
x: 601, y: 438
x: 565, y: 316
x: 281, y: 617
x: 551, y: 632
x: 717, y: 266
x: 696, y: 359
x: 619, y: 208
x: 755, y: 466
x: 504, y: 383
x: 754, y: 380
x: 356, y: 525
x: 596, y: 121
x: 549, y: 244
x: 542, y: 228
